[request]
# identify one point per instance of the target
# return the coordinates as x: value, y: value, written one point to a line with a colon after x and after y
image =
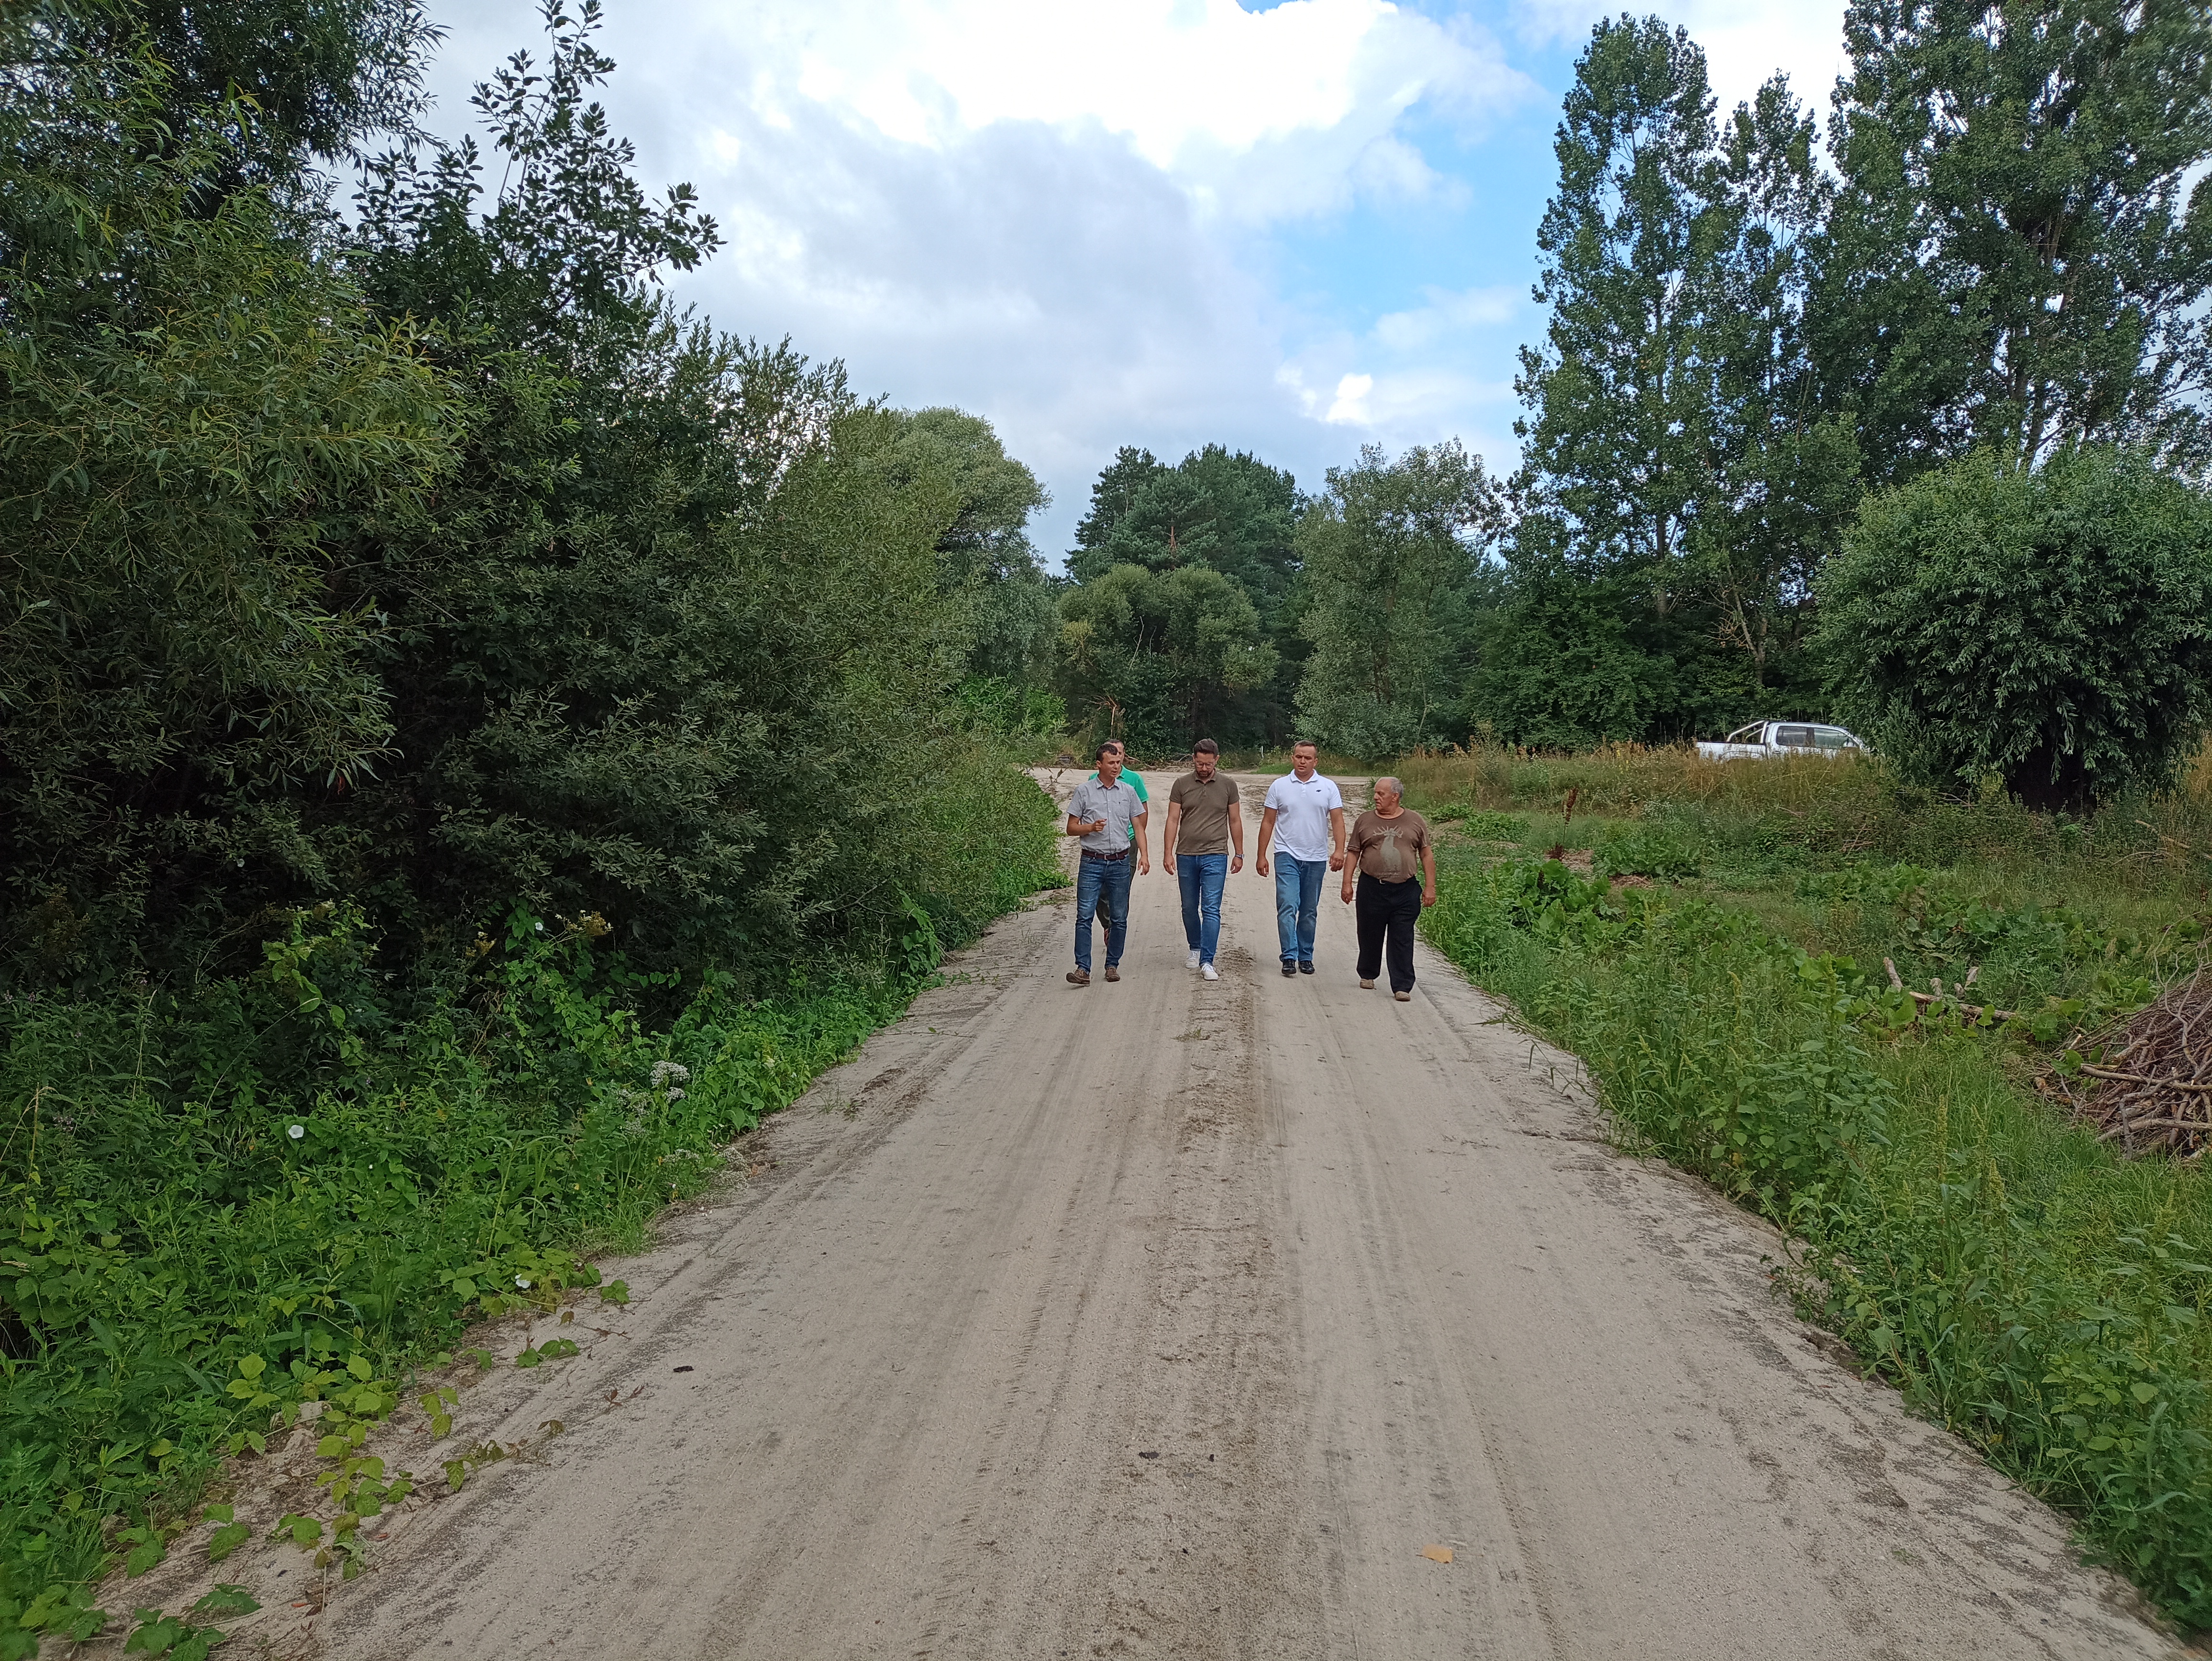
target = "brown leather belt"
x: 1092, y: 853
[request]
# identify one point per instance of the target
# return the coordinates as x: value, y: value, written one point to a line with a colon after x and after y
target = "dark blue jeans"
x: 1111, y: 878
x: 1202, y: 877
x: 1298, y: 904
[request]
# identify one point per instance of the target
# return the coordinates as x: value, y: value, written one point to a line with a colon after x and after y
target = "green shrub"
x: 2052, y: 627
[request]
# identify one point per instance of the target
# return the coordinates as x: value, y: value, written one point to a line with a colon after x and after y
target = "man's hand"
x: 1347, y: 890
x: 1429, y: 894
x: 1145, y: 863
x: 1260, y: 866
x: 1336, y: 861
x: 1236, y: 864
x: 1167, y: 861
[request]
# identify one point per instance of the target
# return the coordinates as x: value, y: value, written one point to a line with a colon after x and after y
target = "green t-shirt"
x: 1136, y: 783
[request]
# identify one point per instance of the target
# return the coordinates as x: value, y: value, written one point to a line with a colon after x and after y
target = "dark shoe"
x: 1078, y: 977
x: 1112, y: 973
x: 1290, y: 968
x: 1306, y: 968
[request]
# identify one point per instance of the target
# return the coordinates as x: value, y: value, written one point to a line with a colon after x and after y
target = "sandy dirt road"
x: 1176, y: 1318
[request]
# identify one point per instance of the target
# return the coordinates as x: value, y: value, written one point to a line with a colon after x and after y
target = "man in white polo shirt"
x: 1301, y: 822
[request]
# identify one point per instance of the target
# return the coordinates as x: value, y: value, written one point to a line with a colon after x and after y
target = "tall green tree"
x: 1785, y: 467
x: 1217, y: 509
x: 686, y: 591
x: 2020, y: 251
x: 1677, y: 432
x: 1619, y: 428
x: 1393, y: 556
x: 1002, y: 611
x: 1159, y: 659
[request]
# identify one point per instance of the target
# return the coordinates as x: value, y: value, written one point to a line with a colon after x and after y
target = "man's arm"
x: 1267, y: 832
x: 1144, y: 854
x: 1168, y: 837
x: 1336, y: 838
x: 1428, y: 874
x: 1236, y: 829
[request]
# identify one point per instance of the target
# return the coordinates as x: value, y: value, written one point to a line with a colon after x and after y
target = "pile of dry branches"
x: 2152, y: 1089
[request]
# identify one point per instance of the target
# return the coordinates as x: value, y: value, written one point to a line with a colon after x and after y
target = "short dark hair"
x: 1105, y: 745
x: 1206, y: 747
x: 1307, y: 744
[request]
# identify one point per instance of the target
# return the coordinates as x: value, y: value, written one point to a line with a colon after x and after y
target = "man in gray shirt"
x: 1108, y: 818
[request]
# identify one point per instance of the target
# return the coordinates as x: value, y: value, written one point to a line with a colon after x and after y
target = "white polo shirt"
x: 1302, y: 810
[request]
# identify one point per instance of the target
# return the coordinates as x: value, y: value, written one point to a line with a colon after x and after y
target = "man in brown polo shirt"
x: 1390, y: 852
x: 1206, y: 818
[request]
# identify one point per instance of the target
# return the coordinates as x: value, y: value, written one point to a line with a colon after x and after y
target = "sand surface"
x: 1178, y: 1318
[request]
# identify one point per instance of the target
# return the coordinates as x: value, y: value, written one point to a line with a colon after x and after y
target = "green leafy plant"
x: 2050, y: 626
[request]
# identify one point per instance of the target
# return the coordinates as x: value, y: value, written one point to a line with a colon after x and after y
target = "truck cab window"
x: 1796, y: 738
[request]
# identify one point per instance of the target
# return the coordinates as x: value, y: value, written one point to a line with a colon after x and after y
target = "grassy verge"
x: 2020, y: 1283
x: 216, y: 1206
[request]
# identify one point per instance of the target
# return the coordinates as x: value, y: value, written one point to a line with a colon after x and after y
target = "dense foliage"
x: 2053, y: 628
x: 1392, y: 553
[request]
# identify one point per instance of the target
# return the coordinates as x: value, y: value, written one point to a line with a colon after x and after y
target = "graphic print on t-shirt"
x: 1389, y: 850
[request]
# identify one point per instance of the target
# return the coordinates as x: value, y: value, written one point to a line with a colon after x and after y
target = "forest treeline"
x: 1763, y: 338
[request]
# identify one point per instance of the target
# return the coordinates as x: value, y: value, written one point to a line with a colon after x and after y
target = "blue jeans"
x: 1111, y: 878
x: 1298, y: 904
x: 1201, y: 876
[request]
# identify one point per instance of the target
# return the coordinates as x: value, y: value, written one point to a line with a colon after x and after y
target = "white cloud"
x: 1446, y: 315
x: 1202, y: 89
x: 1745, y: 41
x: 1350, y: 405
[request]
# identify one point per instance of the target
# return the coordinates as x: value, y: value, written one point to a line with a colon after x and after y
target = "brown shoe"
x: 1078, y: 977
x: 1112, y: 973
x: 1403, y: 997
x: 1366, y: 986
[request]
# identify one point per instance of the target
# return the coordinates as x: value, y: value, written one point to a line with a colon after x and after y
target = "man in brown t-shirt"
x: 1206, y: 817
x: 1390, y: 851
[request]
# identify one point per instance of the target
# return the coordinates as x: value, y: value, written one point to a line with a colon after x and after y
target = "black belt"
x: 1092, y: 854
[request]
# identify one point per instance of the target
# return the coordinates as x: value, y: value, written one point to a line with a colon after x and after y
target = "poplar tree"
x: 1619, y: 429
x: 2022, y: 247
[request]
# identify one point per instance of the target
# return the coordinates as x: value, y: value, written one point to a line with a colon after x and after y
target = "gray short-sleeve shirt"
x: 1115, y: 803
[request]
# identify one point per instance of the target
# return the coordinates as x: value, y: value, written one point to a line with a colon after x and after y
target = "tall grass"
x: 216, y: 1203
x: 2019, y: 1281
x: 1801, y: 813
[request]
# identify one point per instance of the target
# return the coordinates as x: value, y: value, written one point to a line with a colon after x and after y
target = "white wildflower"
x: 675, y: 1095
x: 522, y: 1281
x: 295, y: 1131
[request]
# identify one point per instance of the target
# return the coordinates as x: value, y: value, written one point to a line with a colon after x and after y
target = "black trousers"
x: 1387, y: 914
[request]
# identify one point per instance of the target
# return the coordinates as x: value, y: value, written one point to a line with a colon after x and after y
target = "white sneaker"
x: 1191, y: 962
x: 1206, y: 970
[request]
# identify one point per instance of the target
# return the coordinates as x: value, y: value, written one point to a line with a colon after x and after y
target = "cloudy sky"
x: 1295, y: 228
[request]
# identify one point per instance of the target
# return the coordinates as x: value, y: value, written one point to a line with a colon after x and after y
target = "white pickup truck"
x: 1781, y: 737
